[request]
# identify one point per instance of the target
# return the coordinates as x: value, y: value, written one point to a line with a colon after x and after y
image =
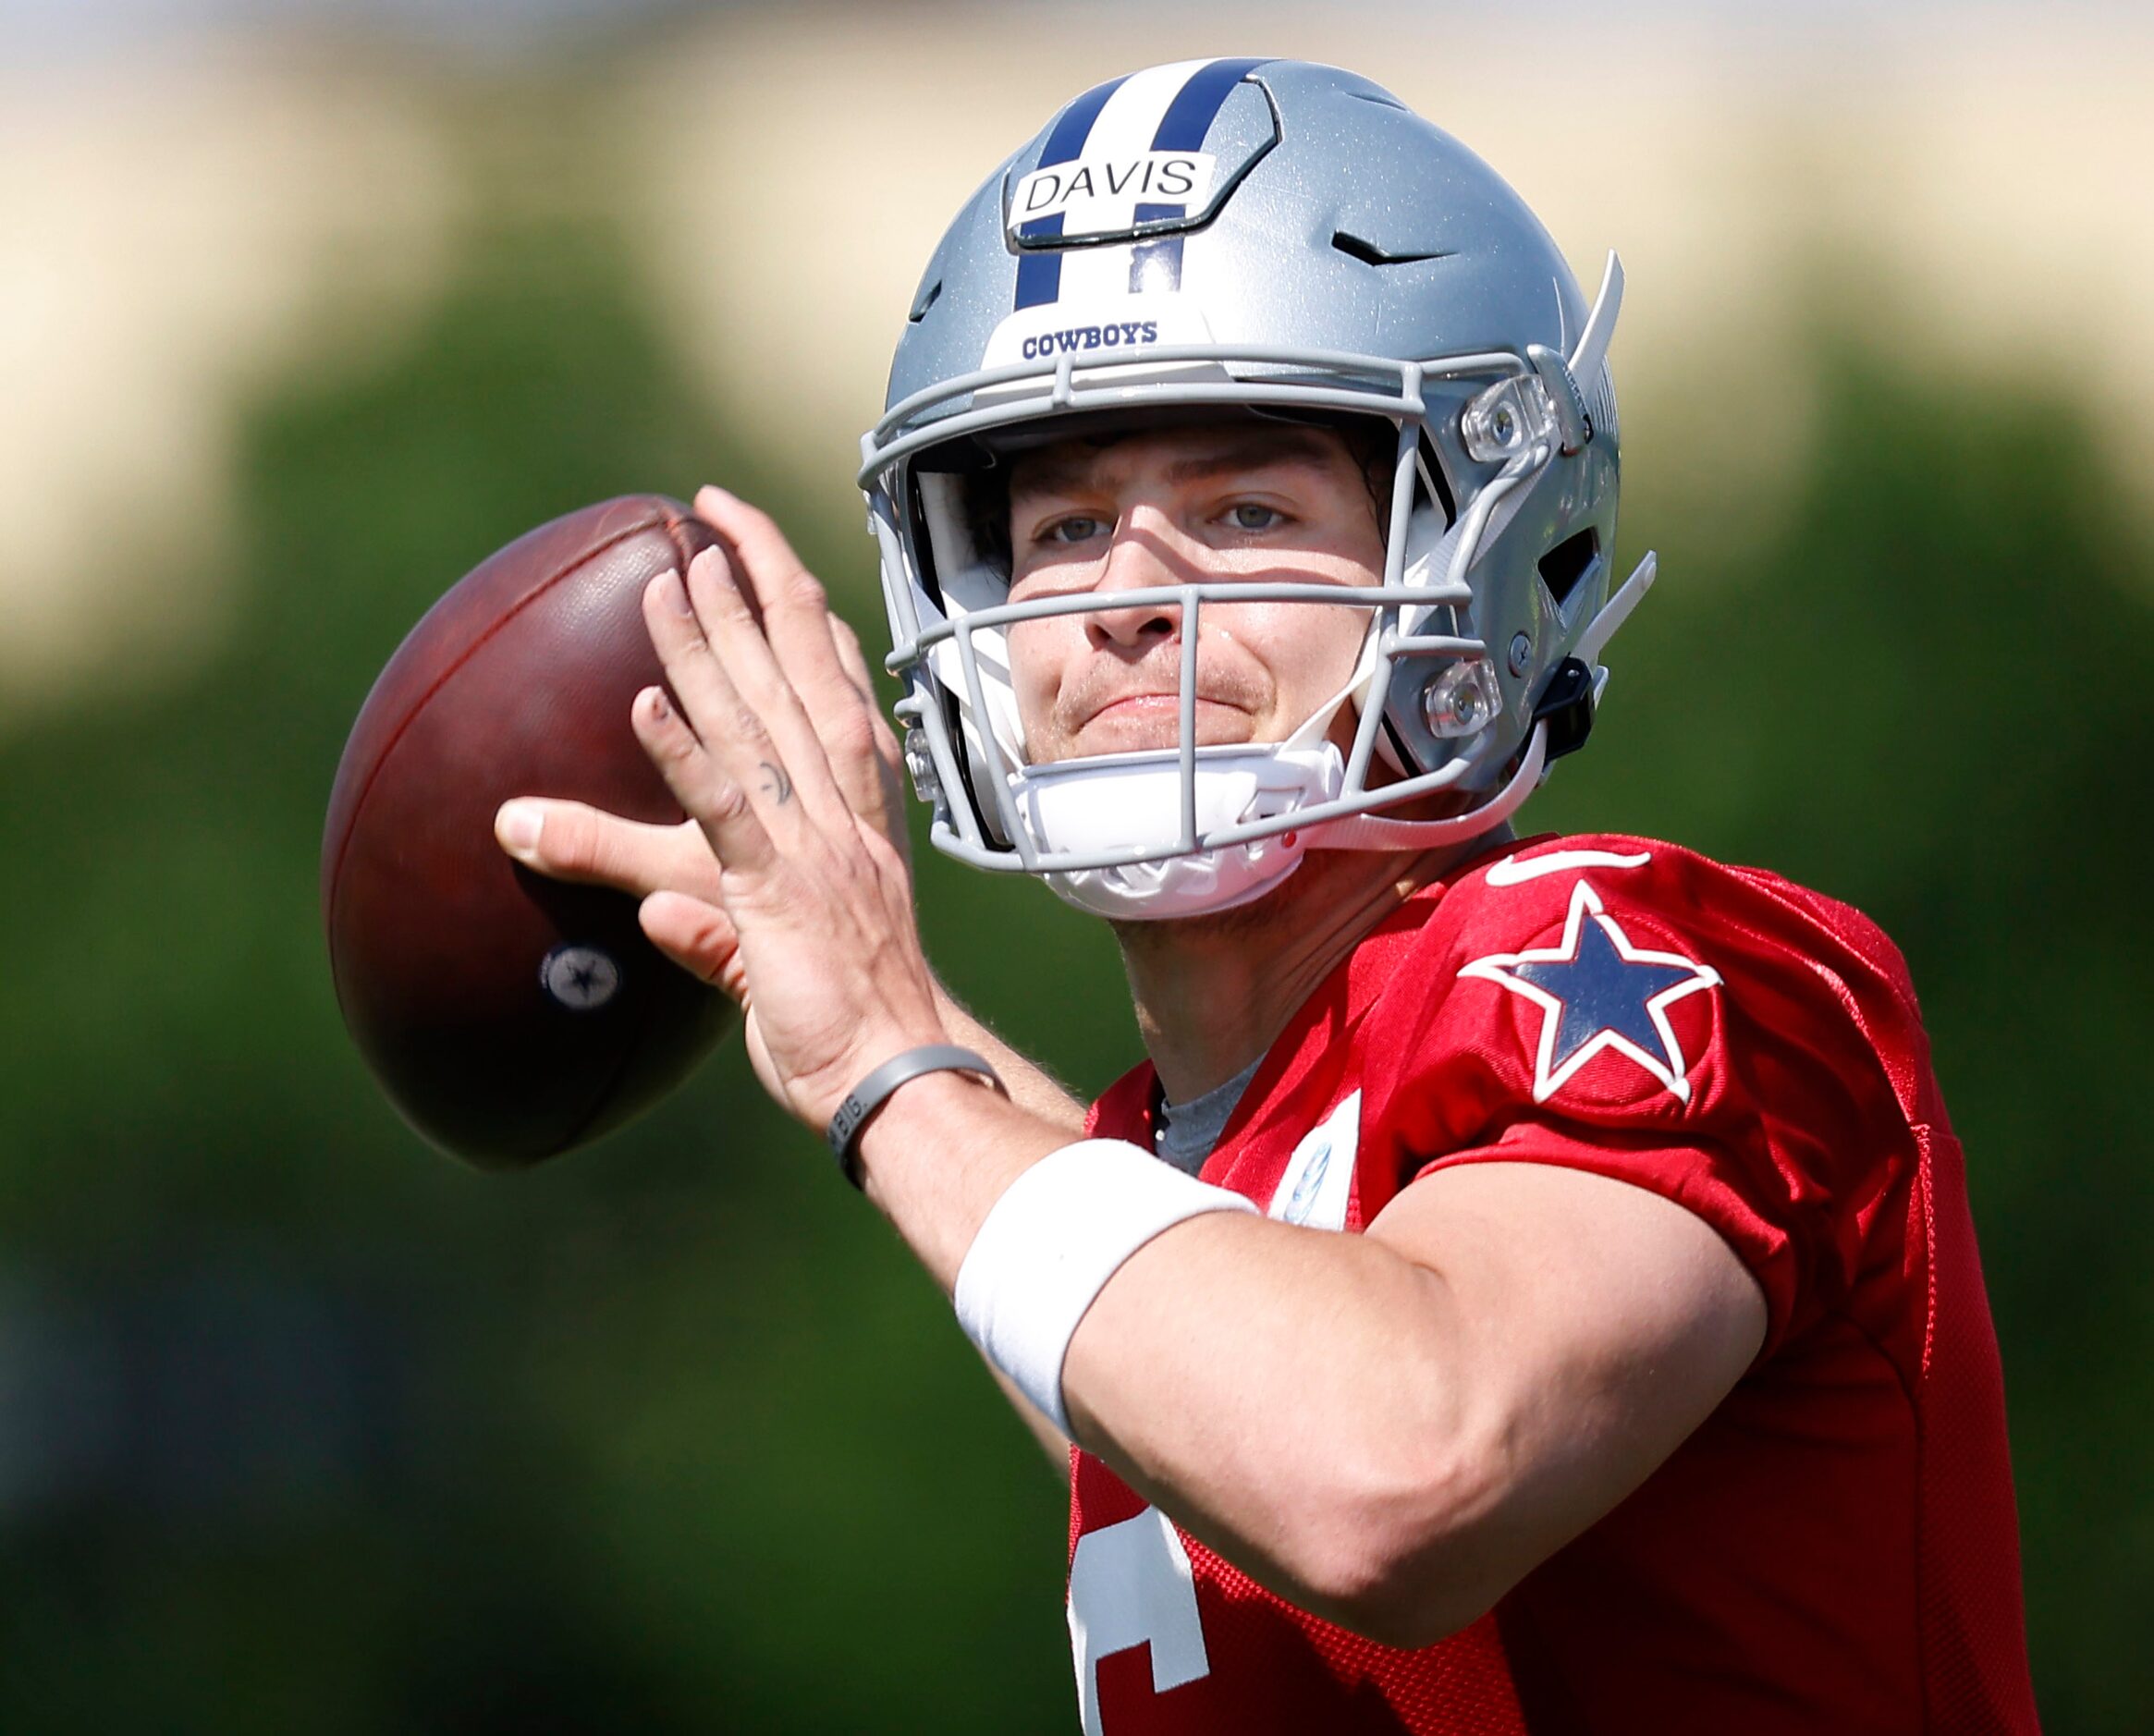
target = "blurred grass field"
x: 303, y: 1426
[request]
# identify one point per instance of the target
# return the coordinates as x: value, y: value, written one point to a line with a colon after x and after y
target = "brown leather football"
x: 508, y: 1016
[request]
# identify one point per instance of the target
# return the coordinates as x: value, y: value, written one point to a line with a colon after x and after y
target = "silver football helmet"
x: 1279, y: 239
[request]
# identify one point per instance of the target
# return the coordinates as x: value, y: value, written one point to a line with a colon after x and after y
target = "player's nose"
x: 1142, y: 558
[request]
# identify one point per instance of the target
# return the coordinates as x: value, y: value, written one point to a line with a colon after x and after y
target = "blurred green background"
x: 303, y: 1426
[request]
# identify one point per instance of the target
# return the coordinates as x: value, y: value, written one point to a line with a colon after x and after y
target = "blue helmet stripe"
x: 1039, y: 276
x: 1197, y: 103
x: 1157, y: 264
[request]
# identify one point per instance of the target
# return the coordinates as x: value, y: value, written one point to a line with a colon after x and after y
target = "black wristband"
x: 862, y: 1101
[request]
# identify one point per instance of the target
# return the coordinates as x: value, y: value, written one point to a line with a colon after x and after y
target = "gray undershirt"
x: 1184, y: 1133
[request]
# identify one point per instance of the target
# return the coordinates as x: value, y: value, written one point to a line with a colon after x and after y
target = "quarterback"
x: 1529, y: 1285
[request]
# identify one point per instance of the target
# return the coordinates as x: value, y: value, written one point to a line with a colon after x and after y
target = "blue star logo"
x: 1597, y: 991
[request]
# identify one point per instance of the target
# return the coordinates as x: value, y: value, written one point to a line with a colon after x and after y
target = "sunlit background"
x: 306, y: 307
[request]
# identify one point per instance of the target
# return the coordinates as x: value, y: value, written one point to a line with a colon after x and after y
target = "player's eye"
x: 1074, y: 529
x: 1254, y: 515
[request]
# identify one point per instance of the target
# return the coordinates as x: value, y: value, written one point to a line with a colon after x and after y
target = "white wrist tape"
x: 1049, y: 1244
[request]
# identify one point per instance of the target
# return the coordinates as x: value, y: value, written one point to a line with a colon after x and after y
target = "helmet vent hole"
x: 928, y: 298
x: 1370, y: 253
x: 1564, y: 566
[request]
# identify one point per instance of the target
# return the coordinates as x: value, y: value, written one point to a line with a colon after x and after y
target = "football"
x: 508, y: 1017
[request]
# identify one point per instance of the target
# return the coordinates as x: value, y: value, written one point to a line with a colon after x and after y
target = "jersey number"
x: 1130, y: 1583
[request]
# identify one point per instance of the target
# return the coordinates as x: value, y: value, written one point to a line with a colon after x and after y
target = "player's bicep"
x: 1592, y: 1324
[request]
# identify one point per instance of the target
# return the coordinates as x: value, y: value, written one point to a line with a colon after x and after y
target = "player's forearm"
x: 944, y: 1149
x: 1033, y: 1089
x: 1301, y: 1402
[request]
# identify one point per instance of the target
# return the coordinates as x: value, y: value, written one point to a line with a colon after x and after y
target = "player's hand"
x: 671, y: 868
x: 827, y: 965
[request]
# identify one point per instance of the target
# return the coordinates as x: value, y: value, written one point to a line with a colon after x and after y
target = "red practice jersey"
x: 1835, y: 1548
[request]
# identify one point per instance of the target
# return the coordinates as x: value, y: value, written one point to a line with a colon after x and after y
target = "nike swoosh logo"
x: 1510, y: 872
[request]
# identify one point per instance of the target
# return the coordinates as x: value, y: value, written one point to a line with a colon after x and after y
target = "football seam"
x: 673, y: 522
x: 660, y: 520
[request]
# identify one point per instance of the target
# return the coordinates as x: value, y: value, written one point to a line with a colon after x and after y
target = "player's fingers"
x: 854, y: 659
x: 706, y: 698
x: 798, y: 766
x: 571, y: 840
x: 808, y: 642
x: 731, y: 728
x: 698, y: 937
x: 887, y: 765
x: 713, y: 797
x: 794, y: 607
x: 859, y: 742
x: 852, y: 656
x: 771, y: 568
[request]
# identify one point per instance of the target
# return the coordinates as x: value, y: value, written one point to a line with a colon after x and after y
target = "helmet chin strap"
x: 1374, y: 831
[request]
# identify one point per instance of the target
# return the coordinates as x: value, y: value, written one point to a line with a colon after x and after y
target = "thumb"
x: 570, y: 840
x: 698, y: 937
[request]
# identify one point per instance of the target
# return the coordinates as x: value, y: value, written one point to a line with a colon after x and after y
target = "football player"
x: 1530, y: 1285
